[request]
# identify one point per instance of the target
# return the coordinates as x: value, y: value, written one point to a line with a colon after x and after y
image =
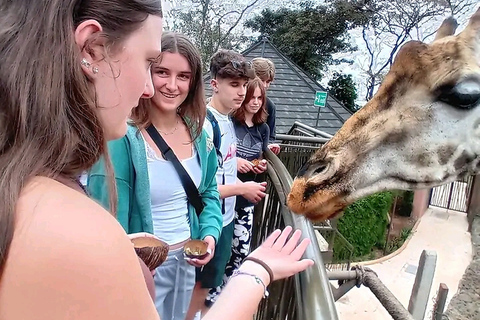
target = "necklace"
x: 169, y: 133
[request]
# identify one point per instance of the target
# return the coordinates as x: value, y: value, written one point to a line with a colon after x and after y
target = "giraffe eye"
x: 465, y: 94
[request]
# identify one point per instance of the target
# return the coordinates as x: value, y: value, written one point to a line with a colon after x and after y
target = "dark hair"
x: 230, y: 64
x: 262, y: 114
x: 48, y: 122
x: 194, y: 107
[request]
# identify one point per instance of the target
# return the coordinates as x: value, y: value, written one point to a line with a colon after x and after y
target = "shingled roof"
x: 293, y: 92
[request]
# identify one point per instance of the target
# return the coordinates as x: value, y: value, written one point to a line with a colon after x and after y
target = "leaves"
x: 343, y: 88
x: 311, y: 34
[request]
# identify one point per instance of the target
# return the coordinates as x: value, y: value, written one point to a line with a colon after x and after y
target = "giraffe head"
x: 421, y: 129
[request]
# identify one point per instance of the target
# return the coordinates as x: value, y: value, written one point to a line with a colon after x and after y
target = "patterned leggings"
x: 242, y: 236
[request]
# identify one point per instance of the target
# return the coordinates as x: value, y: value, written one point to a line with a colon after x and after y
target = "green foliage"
x: 364, y: 223
x: 405, y: 203
x: 343, y: 88
x: 311, y: 34
x: 397, y: 242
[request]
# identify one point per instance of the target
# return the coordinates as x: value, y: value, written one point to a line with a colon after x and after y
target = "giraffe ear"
x: 447, y: 28
x: 472, y: 31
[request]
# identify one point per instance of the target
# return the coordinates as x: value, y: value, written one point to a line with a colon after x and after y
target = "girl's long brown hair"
x: 262, y: 114
x: 48, y: 123
x: 194, y: 107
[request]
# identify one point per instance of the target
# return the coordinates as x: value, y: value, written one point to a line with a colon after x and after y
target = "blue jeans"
x: 174, y: 282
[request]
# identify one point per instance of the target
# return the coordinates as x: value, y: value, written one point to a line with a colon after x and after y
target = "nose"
x: 149, y: 90
x: 242, y: 91
x: 171, y: 84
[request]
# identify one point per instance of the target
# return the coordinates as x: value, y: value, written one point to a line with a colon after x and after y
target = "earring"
x: 95, y: 70
x: 85, y: 63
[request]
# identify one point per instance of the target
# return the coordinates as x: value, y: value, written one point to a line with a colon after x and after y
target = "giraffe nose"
x: 465, y: 94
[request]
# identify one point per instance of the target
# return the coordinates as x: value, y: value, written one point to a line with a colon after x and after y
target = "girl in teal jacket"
x: 151, y: 197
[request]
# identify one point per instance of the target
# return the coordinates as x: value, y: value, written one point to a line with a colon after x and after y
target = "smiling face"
x: 255, y: 103
x: 421, y: 129
x: 125, y: 77
x: 171, y: 79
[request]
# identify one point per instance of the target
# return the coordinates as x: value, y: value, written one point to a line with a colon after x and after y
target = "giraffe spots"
x: 424, y: 159
x: 464, y: 159
x: 396, y: 137
x: 445, y: 153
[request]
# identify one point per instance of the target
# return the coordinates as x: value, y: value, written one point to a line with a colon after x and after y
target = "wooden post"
x: 440, y: 302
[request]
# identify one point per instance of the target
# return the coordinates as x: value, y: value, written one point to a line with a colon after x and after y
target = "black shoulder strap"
x: 190, y: 188
x: 216, y: 129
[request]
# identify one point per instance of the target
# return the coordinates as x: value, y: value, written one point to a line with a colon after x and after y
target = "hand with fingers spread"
x: 253, y: 191
x: 277, y: 256
x: 283, y: 256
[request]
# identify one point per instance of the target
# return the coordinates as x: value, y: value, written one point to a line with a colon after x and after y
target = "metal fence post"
x: 417, y: 305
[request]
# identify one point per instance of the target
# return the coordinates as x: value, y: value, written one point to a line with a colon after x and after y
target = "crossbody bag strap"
x: 187, y: 182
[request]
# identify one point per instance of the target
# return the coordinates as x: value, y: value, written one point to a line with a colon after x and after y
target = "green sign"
x: 320, y: 99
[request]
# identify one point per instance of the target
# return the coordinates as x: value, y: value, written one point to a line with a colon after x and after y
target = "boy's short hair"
x: 230, y: 64
x: 264, y: 68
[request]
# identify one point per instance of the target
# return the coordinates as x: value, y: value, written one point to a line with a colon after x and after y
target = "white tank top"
x: 169, y: 203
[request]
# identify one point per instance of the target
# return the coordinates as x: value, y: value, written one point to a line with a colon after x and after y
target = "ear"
x: 214, y: 84
x: 90, y: 44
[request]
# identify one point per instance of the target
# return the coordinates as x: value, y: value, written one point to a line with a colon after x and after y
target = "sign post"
x: 320, y: 99
x: 320, y: 102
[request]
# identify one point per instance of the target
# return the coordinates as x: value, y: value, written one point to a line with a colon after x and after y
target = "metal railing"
x: 306, y: 296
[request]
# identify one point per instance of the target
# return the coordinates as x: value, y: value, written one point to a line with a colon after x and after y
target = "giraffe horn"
x: 472, y: 30
x: 447, y: 28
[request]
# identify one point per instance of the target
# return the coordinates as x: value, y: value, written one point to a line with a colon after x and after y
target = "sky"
x: 360, y: 57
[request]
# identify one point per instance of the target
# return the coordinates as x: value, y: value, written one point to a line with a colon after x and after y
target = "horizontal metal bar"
x: 342, y: 275
x: 288, y: 137
x: 311, y: 129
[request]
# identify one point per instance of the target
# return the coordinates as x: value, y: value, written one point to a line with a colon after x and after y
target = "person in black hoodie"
x: 265, y: 70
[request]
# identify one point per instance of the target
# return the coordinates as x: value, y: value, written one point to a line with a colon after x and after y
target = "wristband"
x: 255, y: 277
x: 263, y: 264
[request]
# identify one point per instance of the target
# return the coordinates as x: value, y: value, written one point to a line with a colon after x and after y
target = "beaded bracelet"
x: 255, y: 277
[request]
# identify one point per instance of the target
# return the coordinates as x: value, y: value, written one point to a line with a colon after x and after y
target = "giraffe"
x: 421, y: 128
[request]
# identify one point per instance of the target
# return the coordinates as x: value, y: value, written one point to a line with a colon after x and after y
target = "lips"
x: 169, y: 95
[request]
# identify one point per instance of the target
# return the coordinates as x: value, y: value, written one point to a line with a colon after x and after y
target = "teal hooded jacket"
x: 129, y: 162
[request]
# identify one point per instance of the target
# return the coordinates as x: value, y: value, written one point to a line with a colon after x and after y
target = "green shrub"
x: 405, y: 203
x: 364, y: 223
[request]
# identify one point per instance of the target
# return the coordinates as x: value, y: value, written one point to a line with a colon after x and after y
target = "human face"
x: 255, y: 103
x: 125, y: 77
x: 266, y: 84
x: 230, y: 93
x: 171, y: 80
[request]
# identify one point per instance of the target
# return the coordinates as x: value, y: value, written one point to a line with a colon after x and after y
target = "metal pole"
x: 440, y: 302
x: 343, y: 289
x: 423, y: 284
x: 315, y: 302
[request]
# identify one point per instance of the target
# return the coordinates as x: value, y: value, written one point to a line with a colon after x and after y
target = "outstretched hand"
x: 282, y: 256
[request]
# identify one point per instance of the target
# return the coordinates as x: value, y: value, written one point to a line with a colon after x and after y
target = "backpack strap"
x: 217, y: 141
x: 217, y: 138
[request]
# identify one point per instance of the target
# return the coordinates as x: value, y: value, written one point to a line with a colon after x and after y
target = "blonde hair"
x: 264, y: 68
